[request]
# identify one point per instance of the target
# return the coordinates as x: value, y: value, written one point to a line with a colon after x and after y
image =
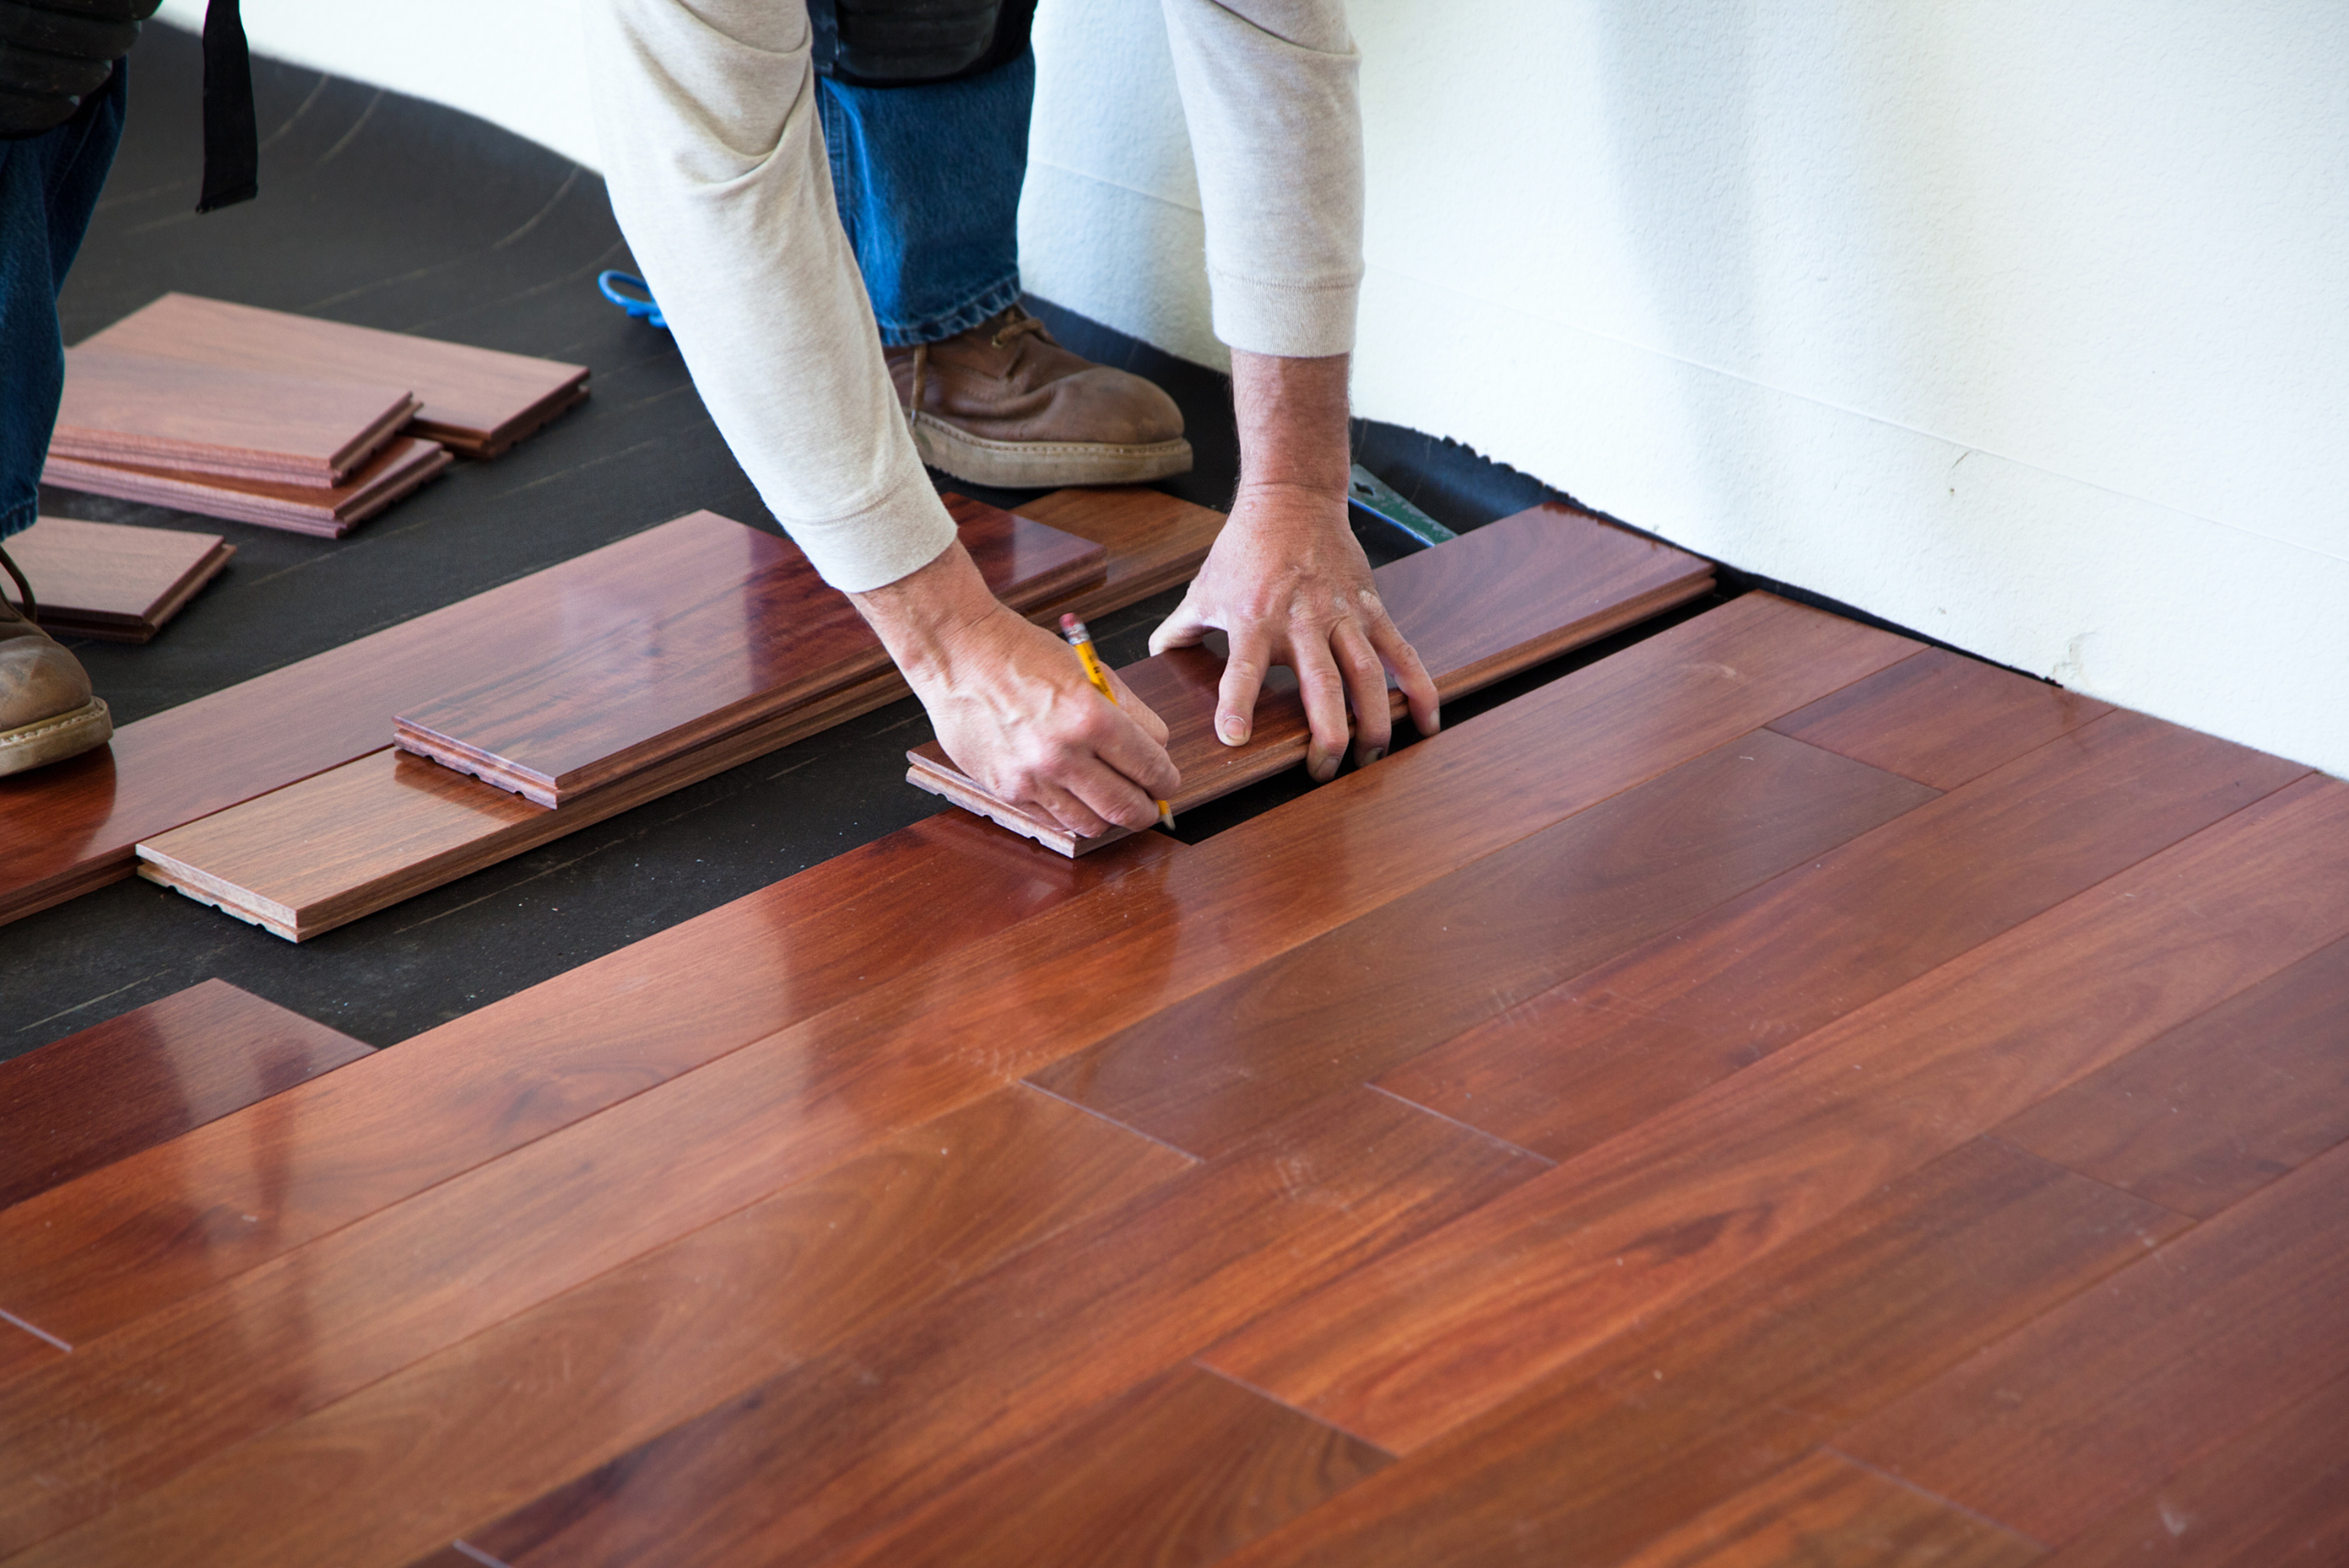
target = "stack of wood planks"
x: 284, y: 420
x: 1778, y: 1095
x: 111, y: 581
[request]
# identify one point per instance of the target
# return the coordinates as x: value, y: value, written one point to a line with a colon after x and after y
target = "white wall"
x: 2024, y: 325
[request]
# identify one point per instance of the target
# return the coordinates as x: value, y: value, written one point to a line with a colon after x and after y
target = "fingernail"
x: 1233, y: 728
x: 1321, y: 767
x: 1372, y: 755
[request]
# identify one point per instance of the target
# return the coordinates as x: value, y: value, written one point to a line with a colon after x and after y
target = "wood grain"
x: 71, y: 827
x: 109, y: 581
x: 1154, y: 542
x: 126, y: 408
x: 122, y: 1243
x: 1477, y: 608
x: 1537, y: 1278
x: 2277, y: 1493
x: 810, y: 1462
x: 2220, y: 1106
x: 650, y: 668
x: 402, y: 467
x: 1176, y: 1475
x: 1340, y: 1008
x: 478, y: 401
x: 2106, y: 1397
x: 488, y: 1423
x: 1941, y: 719
x: 148, y: 1076
x: 1826, y: 1512
x: 1684, y: 1411
x: 1605, y: 1050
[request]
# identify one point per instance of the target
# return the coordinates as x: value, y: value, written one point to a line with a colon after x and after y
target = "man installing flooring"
x: 785, y: 179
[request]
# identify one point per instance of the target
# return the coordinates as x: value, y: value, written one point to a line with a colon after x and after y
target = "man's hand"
x: 1288, y: 582
x: 1012, y: 706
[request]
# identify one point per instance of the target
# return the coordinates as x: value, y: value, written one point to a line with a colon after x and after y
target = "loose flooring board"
x: 493, y: 1081
x: 1477, y: 608
x: 1601, y: 1052
x: 645, y: 671
x: 2104, y: 1398
x: 71, y: 827
x: 1687, y: 1409
x: 1154, y: 541
x: 1204, y: 1072
x: 148, y: 1076
x: 245, y: 424
x: 1721, y: 1178
x: 111, y: 581
x: 402, y: 467
x: 478, y: 402
x: 2276, y: 1493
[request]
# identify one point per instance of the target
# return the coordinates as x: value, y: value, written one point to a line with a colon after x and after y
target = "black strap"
x: 231, y: 142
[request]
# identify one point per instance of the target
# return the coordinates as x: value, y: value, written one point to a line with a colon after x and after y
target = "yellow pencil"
x: 1082, y: 640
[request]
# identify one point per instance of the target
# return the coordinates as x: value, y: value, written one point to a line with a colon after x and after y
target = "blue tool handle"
x: 647, y: 309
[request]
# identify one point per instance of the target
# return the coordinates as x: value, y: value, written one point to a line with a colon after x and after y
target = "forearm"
x: 1292, y: 418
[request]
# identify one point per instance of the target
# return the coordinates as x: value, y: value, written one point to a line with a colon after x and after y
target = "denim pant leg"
x: 49, y: 184
x: 927, y: 182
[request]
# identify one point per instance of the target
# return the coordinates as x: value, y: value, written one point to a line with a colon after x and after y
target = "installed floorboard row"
x: 71, y: 827
x: 810, y: 1462
x: 737, y: 631
x: 2275, y: 1495
x: 90, y: 1257
x: 109, y: 581
x: 761, y: 1291
x: 399, y: 470
x: 1207, y: 1070
x: 938, y: 1035
x: 1605, y: 1049
x: 1411, y: 1347
x: 1941, y: 719
x: 2105, y: 1396
x: 244, y: 424
x: 2220, y: 1106
x: 1826, y: 1512
x: 347, y: 842
x: 1476, y: 608
x: 479, y: 401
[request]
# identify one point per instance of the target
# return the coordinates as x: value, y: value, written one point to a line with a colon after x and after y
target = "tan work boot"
x: 47, y: 713
x: 1004, y: 404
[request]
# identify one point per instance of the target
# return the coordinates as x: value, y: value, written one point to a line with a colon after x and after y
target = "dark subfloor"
x: 394, y: 213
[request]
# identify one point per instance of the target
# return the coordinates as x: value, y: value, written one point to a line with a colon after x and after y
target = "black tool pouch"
x: 911, y: 43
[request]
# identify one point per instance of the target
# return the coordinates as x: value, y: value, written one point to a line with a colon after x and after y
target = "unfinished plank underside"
x: 1476, y: 608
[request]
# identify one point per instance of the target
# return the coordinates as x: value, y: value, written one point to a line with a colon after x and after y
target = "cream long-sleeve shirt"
x: 714, y: 160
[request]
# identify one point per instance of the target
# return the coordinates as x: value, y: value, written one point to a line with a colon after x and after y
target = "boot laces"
x: 23, y: 589
x: 1021, y: 325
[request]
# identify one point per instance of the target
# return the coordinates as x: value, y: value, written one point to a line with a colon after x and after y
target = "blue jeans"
x: 49, y: 184
x: 927, y: 182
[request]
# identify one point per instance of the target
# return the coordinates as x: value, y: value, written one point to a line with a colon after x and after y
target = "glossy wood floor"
x: 1778, y: 1095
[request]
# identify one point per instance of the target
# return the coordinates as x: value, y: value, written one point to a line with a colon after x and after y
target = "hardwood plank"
x: 1154, y: 541
x: 1413, y: 1345
x: 1607, y: 1049
x: 1340, y: 1008
x: 527, y: 1405
x: 2278, y: 1493
x: 649, y: 669
x: 1177, y: 1473
x: 1685, y: 1410
x: 1941, y: 719
x: 1477, y: 608
x: 148, y: 1076
x: 2106, y: 1396
x: 114, y: 1246
x: 70, y: 826
x: 810, y: 1462
x: 126, y: 408
x: 2220, y: 1106
x: 109, y: 581
x: 1826, y: 1512
x: 477, y: 400
x: 402, y: 467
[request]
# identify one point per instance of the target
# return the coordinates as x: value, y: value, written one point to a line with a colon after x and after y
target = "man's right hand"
x: 1012, y: 706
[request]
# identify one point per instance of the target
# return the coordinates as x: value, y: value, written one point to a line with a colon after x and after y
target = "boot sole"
x: 1030, y: 465
x: 54, y: 738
